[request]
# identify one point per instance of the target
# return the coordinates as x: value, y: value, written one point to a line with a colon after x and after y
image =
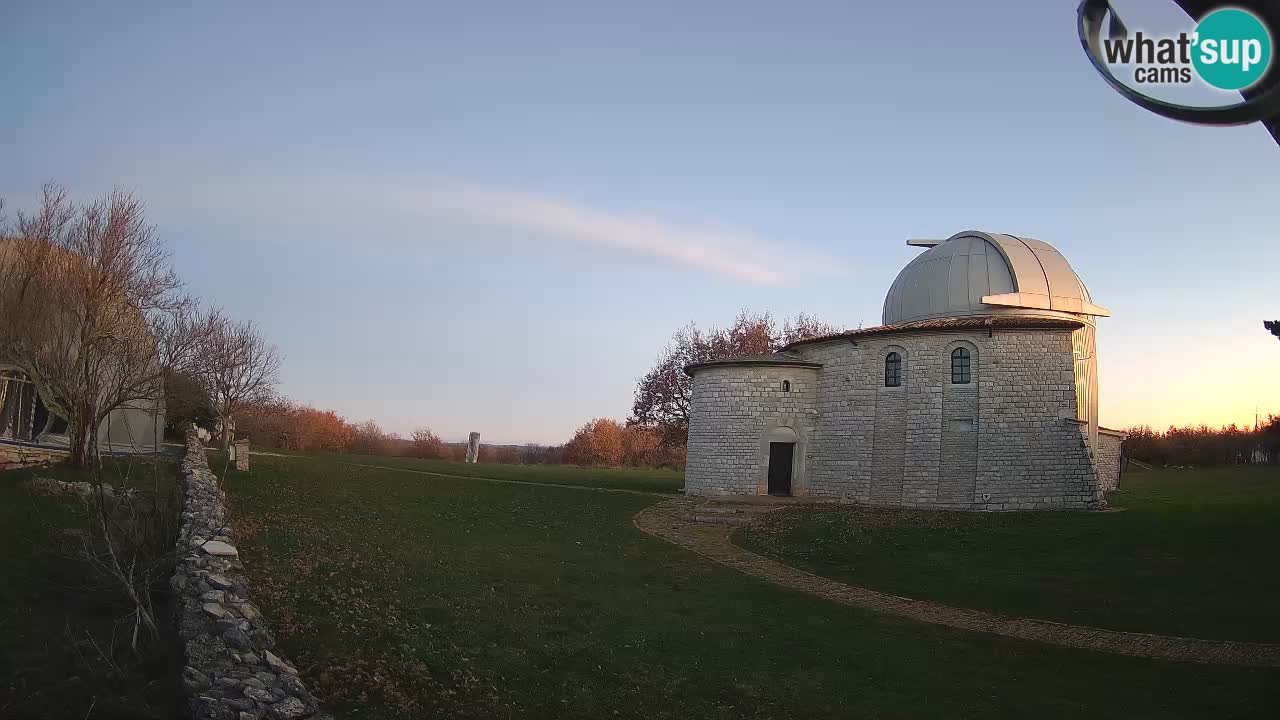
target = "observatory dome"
x: 983, y: 274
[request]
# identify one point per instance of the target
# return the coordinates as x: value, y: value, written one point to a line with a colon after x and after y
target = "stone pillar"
x: 473, y: 447
x: 240, y: 454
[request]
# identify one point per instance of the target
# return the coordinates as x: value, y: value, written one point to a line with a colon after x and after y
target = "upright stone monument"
x: 240, y: 454
x: 473, y: 447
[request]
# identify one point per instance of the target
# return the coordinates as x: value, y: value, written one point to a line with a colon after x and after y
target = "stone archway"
x: 781, y: 443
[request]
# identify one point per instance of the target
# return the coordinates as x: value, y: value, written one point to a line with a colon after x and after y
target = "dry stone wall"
x: 1008, y: 440
x: 232, y: 670
x: 14, y: 456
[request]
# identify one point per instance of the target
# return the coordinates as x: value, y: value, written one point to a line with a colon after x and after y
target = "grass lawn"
x: 405, y: 595
x: 57, y: 621
x: 1192, y: 554
x: 661, y: 481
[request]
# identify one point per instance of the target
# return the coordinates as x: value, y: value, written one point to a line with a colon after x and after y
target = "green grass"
x: 660, y: 481
x: 57, y: 619
x: 1192, y: 553
x: 405, y: 595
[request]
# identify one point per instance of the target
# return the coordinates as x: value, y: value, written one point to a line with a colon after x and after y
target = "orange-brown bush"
x: 279, y: 423
x: 597, y: 443
x: 427, y: 444
x: 370, y: 439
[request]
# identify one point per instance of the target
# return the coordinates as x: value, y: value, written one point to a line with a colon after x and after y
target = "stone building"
x: 979, y: 392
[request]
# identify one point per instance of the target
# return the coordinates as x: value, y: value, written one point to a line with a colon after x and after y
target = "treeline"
x: 1203, y: 445
x: 278, y: 423
x: 608, y: 443
x: 281, y: 424
x: 654, y: 436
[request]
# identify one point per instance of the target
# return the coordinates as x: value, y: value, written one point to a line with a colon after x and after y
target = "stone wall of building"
x: 733, y: 410
x: 232, y: 671
x: 1006, y: 441
x: 1107, y: 458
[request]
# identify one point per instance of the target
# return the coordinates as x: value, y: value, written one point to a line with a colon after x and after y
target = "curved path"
x: 673, y: 521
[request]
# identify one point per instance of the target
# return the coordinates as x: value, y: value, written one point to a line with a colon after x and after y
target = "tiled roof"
x: 775, y: 359
x: 784, y: 358
x: 951, y: 323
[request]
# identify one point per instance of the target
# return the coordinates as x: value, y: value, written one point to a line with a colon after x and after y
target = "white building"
x: 24, y: 418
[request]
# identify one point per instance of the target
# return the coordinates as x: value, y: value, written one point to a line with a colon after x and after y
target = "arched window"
x: 786, y: 386
x: 893, y: 370
x: 960, y: 366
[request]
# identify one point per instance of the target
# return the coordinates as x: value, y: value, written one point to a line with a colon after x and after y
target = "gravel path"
x: 673, y: 521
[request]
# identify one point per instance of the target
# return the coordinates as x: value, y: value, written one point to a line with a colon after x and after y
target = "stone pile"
x: 83, y: 490
x: 231, y: 670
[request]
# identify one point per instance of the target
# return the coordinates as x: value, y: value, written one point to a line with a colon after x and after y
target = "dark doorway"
x: 780, y: 457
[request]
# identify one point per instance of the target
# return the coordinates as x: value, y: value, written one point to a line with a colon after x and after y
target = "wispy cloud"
x: 709, y: 249
x: 396, y: 205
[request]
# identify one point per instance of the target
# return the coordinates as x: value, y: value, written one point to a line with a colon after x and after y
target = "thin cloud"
x: 705, y: 248
x: 712, y: 250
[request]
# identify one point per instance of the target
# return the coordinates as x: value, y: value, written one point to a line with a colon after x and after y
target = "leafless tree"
x: 84, y: 289
x: 662, y: 396
x: 426, y: 444
x: 241, y: 367
x: 92, y: 313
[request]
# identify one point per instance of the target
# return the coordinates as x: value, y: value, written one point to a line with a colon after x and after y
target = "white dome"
x: 977, y: 273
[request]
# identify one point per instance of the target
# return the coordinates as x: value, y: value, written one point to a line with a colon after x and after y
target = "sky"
x: 492, y: 216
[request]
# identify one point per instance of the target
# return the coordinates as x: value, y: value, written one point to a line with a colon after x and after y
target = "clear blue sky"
x: 491, y: 216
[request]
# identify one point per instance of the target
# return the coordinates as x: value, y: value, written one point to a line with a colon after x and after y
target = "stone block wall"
x: 1008, y: 440
x: 232, y: 671
x: 1107, y: 458
x: 240, y: 451
x: 14, y: 456
x: 732, y: 412
x: 1032, y: 454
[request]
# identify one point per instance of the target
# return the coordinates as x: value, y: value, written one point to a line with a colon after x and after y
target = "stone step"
x: 744, y: 509
x: 734, y: 520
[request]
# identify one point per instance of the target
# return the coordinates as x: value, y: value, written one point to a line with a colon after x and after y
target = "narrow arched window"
x: 961, y: 365
x: 786, y: 386
x: 893, y: 370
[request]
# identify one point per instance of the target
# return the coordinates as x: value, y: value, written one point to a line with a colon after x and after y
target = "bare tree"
x: 241, y: 367
x: 426, y: 444
x: 662, y: 396
x: 91, y: 312
x: 84, y: 289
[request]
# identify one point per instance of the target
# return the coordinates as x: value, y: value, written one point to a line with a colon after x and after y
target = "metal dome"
x: 976, y: 273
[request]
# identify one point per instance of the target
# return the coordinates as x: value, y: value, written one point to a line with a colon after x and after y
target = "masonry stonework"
x: 1015, y: 429
x: 233, y: 671
x: 15, y: 455
x: 734, y: 411
x: 1108, y: 458
x: 1008, y: 440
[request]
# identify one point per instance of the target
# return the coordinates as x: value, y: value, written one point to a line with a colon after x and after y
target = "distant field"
x: 405, y: 596
x: 663, y: 481
x: 1192, y: 553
